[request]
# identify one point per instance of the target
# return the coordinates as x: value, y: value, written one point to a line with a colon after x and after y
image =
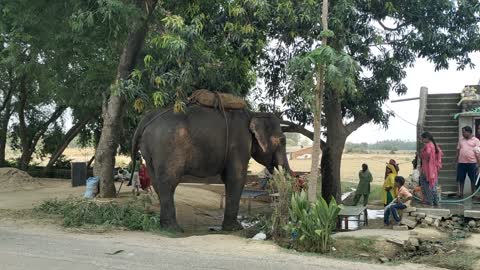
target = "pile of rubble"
x: 441, y: 219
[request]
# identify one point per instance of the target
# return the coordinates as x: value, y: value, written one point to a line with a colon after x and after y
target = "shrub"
x: 282, y: 184
x: 311, y: 224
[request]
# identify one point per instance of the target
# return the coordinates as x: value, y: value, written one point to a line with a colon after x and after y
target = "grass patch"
x: 375, y: 190
x: 463, y: 259
x: 132, y: 215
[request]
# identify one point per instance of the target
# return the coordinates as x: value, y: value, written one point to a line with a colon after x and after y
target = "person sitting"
x: 264, y: 176
x: 363, y: 188
x: 402, y: 201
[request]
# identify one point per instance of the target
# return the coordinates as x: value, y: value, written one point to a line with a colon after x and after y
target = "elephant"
x: 204, y: 142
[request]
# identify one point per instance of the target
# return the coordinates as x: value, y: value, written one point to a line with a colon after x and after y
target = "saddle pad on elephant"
x: 211, y: 99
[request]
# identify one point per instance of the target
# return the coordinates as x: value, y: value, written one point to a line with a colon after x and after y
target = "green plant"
x: 311, y: 224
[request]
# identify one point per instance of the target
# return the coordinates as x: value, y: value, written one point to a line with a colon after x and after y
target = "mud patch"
x: 12, y: 179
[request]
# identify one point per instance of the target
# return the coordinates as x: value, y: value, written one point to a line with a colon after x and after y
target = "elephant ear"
x: 259, y: 128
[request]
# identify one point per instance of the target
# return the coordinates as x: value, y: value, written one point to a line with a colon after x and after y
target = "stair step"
x: 445, y: 118
x: 433, y: 129
x: 442, y: 111
x: 436, y: 123
x: 451, y: 106
x: 444, y: 96
x: 445, y: 135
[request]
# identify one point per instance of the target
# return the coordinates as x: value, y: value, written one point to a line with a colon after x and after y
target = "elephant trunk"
x: 282, y: 160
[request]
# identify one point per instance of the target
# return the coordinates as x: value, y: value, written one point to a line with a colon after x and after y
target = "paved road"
x: 46, y: 248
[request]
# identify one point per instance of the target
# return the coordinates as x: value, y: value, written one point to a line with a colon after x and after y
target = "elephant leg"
x: 165, y: 189
x: 234, y: 184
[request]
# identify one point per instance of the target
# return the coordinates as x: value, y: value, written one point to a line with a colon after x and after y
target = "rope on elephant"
x: 222, y: 109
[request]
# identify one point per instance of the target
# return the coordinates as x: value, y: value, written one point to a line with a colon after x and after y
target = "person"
x: 363, y: 188
x: 135, y: 170
x: 264, y: 176
x: 145, y: 181
x: 467, y: 159
x: 389, y: 192
x: 431, y: 163
x: 402, y: 201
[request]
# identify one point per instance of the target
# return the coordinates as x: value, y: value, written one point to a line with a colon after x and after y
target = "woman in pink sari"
x: 431, y: 158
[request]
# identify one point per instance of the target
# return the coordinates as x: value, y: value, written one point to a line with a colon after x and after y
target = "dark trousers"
x: 464, y: 169
x: 357, y: 198
x: 393, y: 209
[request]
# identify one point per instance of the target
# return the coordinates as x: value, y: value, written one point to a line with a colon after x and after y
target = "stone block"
x: 472, y: 213
x: 435, y: 217
x: 445, y: 213
x: 395, y: 241
x: 421, y: 215
x: 400, y: 228
x: 472, y: 224
x: 428, y: 220
x: 413, y: 214
x: 410, y: 209
x: 436, y: 223
x: 410, y: 222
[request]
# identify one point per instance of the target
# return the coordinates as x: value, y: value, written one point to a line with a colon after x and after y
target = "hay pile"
x: 14, y: 179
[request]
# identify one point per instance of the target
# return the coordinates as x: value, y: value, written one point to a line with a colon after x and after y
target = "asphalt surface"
x: 52, y: 249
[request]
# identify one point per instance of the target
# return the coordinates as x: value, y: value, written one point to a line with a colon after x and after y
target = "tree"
x: 382, y: 37
x: 317, y: 111
x: 114, y: 101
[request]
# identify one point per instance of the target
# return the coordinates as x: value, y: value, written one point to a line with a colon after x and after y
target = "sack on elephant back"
x: 210, y: 99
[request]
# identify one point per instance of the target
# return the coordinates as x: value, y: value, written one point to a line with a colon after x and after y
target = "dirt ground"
x: 197, y: 205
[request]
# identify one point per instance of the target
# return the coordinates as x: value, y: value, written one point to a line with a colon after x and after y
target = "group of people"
x: 396, y: 196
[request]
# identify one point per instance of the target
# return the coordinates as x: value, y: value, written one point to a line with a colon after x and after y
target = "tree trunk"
x: 113, y: 106
x: 71, y: 134
x: 5, y: 119
x: 332, y: 154
x: 317, y: 113
x: 25, y: 143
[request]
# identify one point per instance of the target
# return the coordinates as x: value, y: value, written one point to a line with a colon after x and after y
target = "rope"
x: 397, y: 115
x: 222, y: 109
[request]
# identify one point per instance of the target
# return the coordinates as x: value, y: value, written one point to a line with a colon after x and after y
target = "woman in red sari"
x: 431, y: 157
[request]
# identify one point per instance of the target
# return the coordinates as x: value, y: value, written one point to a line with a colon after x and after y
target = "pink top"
x: 403, y: 193
x: 431, y: 162
x: 466, y: 152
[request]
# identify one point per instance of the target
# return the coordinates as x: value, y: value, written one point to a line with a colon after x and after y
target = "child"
x: 401, y: 202
x: 363, y: 188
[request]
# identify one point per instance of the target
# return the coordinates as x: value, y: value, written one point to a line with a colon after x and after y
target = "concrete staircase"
x: 440, y: 122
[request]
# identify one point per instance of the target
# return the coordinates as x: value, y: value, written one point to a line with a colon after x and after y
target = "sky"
x: 422, y: 74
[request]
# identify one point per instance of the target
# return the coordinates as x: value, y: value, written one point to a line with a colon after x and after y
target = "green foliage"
x: 78, y: 212
x: 311, y: 224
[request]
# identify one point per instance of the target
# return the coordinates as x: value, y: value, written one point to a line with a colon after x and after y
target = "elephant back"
x: 212, y: 99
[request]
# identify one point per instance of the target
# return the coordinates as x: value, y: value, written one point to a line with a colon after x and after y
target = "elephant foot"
x: 232, y: 226
x: 171, y: 226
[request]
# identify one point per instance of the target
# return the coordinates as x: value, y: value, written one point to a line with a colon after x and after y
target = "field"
x: 351, y: 162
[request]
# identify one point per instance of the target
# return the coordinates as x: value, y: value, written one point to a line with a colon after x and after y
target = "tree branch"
x: 356, y: 123
x: 43, y: 128
x: 389, y: 28
x: 294, y: 128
